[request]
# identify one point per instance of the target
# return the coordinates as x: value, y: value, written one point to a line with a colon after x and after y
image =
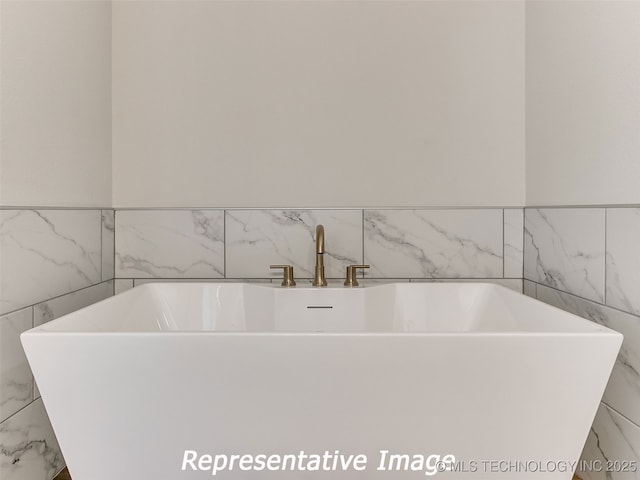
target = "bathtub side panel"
x: 477, y: 397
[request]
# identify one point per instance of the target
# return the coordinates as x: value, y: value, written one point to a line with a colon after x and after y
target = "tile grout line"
x: 101, y: 244
x: 33, y: 379
x: 522, y: 243
x: 362, y: 219
x: 55, y: 298
x: 604, y: 294
x: 114, y: 252
x: 504, y: 269
x: 20, y: 410
x: 620, y: 413
x: 585, y: 299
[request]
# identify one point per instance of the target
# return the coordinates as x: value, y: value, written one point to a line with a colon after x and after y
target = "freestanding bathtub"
x: 244, y: 381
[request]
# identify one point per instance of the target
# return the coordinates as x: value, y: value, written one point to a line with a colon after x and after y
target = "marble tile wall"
x: 52, y: 262
x: 46, y: 253
x: 434, y: 243
x: 29, y: 447
x: 399, y: 244
x: 55, y: 261
x: 613, y: 444
x: 587, y: 261
x: 256, y: 238
x: 169, y: 244
x: 564, y: 249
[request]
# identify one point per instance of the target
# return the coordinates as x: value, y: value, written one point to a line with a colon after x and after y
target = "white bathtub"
x: 169, y: 381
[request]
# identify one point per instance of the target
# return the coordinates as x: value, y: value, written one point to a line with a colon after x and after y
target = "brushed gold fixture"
x: 318, y: 278
x: 351, y: 280
x: 287, y: 271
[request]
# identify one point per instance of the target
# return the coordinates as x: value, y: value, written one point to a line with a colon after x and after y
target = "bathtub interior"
x: 242, y: 307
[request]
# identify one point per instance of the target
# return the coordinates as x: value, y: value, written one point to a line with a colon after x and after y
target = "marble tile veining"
x: 612, y: 438
x: 564, y: 249
x: 46, y: 253
x: 108, y: 244
x: 57, y: 307
x: 258, y: 238
x: 623, y: 389
x: 434, y: 243
x: 16, y: 380
x: 28, y: 447
x: 170, y: 243
x: 623, y: 259
x: 513, y: 242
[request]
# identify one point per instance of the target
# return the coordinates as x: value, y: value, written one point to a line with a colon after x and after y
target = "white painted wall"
x: 55, y: 103
x: 320, y: 104
x: 583, y: 102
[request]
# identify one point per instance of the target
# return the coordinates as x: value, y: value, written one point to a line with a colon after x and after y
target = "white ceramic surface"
x: 472, y: 370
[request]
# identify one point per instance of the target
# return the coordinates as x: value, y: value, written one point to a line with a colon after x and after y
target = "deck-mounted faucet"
x: 318, y: 278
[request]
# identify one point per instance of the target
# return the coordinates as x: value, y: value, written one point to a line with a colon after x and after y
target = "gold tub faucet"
x: 318, y: 278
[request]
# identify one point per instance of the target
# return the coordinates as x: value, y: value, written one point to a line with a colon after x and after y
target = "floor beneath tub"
x: 64, y: 475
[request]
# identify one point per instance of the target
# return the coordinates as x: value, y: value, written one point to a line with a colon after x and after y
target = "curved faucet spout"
x: 320, y: 239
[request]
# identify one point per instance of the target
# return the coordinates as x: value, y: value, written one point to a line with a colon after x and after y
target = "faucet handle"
x: 351, y: 280
x: 288, y: 280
